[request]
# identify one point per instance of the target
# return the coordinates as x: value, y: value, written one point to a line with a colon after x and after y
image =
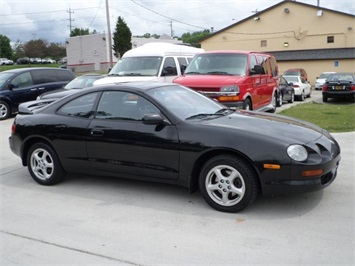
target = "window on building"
x: 263, y: 43
x: 330, y: 39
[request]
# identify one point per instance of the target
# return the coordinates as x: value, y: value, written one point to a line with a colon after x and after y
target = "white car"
x: 301, y: 86
x: 321, y: 80
x: 5, y: 61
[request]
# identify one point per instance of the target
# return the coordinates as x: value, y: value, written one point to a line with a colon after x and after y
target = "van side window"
x: 274, y: 68
x: 264, y: 62
x: 44, y: 76
x: 22, y: 80
x: 64, y: 75
x: 169, y: 67
x: 252, y: 62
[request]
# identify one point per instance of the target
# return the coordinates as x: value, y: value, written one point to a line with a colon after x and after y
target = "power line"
x: 171, y: 19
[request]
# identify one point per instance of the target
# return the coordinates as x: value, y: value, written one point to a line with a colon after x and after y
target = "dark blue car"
x: 25, y: 84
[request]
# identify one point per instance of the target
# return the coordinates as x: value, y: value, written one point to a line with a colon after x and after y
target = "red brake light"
x: 352, y: 88
x: 325, y: 88
x: 13, y: 128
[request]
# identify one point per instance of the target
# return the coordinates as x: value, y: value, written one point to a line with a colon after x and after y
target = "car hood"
x: 282, y: 128
x: 209, y: 81
x: 117, y: 79
x: 56, y: 94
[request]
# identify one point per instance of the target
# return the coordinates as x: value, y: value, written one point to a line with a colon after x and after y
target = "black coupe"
x: 169, y: 133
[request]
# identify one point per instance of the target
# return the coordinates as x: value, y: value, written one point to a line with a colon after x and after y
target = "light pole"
x: 109, y: 34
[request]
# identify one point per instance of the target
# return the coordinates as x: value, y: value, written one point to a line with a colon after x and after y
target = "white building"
x: 90, y: 53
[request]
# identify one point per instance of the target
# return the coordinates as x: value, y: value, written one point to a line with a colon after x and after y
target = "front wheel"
x: 247, y: 105
x: 4, y: 110
x: 44, y: 165
x: 228, y: 183
x: 280, y: 100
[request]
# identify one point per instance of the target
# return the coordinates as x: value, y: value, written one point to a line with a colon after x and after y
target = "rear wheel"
x: 302, y: 96
x: 44, y: 165
x: 4, y: 110
x: 280, y: 100
x: 292, y: 98
x: 228, y: 183
x: 325, y: 99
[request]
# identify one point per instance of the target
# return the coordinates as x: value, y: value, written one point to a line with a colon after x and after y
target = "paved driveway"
x: 104, y: 221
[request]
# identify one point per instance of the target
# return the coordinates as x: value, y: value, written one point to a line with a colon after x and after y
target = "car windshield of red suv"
x: 218, y: 64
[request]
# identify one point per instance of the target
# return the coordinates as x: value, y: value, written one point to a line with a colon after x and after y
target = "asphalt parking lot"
x: 105, y: 221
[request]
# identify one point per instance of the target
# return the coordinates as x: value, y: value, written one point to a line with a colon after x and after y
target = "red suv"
x: 241, y: 79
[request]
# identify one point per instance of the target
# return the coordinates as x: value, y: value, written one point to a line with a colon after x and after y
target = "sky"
x: 24, y: 20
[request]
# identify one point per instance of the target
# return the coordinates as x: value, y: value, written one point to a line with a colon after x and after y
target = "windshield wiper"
x: 225, y: 111
x: 192, y: 72
x: 219, y: 73
x: 221, y: 112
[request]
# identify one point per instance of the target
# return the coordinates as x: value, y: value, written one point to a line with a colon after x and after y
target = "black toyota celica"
x: 169, y: 133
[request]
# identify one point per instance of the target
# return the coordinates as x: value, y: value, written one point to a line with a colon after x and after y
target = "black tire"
x: 302, y: 96
x: 5, y: 110
x: 325, y: 99
x: 44, y: 165
x: 279, y: 101
x: 228, y: 183
x: 247, y: 104
x: 292, y: 98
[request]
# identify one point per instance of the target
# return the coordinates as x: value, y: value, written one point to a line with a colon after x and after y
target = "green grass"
x: 8, y: 67
x: 332, y: 117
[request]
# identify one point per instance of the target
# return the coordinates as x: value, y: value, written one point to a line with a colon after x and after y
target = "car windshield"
x: 137, y: 66
x: 341, y: 77
x: 292, y: 79
x: 186, y: 103
x: 81, y: 82
x: 218, y: 64
x: 324, y: 76
x: 4, y: 77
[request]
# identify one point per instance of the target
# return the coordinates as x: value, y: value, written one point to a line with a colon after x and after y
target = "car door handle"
x: 97, y: 132
x: 42, y: 88
x: 34, y: 89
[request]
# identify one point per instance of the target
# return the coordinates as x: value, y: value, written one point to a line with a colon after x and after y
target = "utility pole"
x: 70, y: 20
x: 109, y: 34
x: 171, y: 30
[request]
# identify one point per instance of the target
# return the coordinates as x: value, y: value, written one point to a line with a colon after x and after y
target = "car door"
x: 120, y: 143
x: 21, y: 89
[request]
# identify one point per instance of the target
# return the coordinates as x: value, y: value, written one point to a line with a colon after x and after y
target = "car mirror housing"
x: 153, y: 119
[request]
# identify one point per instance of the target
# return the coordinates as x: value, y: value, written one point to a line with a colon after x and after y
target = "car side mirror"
x: 153, y: 119
x: 11, y: 86
x: 256, y: 70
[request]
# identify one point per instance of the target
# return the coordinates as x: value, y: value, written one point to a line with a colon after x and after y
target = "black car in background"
x: 165, y: 132
x: 25, y: 84
x: 23, y: 61
x: 286, y: 92
x: 84, y: 81
x: 339, y: 85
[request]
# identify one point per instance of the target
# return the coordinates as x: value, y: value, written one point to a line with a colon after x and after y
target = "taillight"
x: 325, y: 88
x: 13, y: 128
x: 352, y: 88
x: 295, y: 86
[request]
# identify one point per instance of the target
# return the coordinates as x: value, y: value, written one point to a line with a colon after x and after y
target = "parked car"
x: 25, y: 84
x: 318, y: 85
x: 302, y: 88
x: 48, y: 61
x: 84, y: 81
x: 339, y: 85
x: 296, y: 72
x: 168, y: 133
x: 5, y: 61
x: 287, y: 92
x: 234, y: 78
x: 22, y: 61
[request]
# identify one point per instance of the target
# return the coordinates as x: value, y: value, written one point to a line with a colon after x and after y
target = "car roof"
x: 135, y: 85
x: 232, y: 52
x: 19, y: 70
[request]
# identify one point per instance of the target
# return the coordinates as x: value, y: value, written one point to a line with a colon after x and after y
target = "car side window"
x: 118, y: 105
x: 22, y: 80
x: 80, y: 107
x: 169, y: 67
x: 44, y: 76
x: 252, y: 62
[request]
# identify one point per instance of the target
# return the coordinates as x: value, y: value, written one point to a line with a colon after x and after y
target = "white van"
x: 161, y: 62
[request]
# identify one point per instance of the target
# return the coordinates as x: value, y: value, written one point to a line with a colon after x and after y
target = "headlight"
x: 297, y: 153
x: 38, y: 98
x: 233, y: 88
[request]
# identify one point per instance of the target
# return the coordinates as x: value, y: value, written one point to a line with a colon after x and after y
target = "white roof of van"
x: 163, y: 49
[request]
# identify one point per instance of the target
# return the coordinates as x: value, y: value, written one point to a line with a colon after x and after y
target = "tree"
x: 195, y: 38
x: 56, y: 50
x: 18, y: 50
x: 121, y: 38
x: 36, y: 48
x: 79, y: 32
x: 5, y: 47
